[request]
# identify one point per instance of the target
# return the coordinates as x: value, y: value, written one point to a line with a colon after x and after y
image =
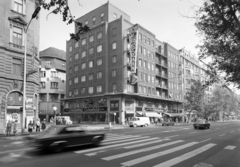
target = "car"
x: 58, y: 137
x: 201, y: 124
x: 168, y: 123
x: 139, y: 121
x: 66, y: 118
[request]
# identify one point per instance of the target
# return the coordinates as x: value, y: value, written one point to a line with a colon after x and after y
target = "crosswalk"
x: 137, y: 149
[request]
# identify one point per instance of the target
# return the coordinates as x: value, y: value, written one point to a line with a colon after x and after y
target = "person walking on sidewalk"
x: 44, y: 123
x: 30, y: 127
x: 9, y: 128
x: 38, y: 125
x: 15, y: 128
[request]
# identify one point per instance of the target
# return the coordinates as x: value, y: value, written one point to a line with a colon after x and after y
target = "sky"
x: 164, y: 18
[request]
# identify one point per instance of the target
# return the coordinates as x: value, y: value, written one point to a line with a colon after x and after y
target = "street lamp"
x: 25, y: 67
x: 54, y: 109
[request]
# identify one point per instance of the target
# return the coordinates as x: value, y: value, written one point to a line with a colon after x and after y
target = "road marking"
x: 192, y: 132
x: 109, y: 146
x: 113, y: 139
x: 158, y: 154
x: 146, y: 143
x: 222, y: 135
x: 119, y: 141
x: 186, y: 156
x: 205, y: 140
x: 12, y: 151
x: 229, y: 147
x: 231, y: 131
x: 171, y: 136
x: 140, y: 151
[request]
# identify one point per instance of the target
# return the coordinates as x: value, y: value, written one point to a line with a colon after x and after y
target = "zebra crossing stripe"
x: 140, y: 150
x: 158, y: 154
x: 117, y: 138
x: 186, y: 156
x: 109, y: 146
x: 229, y: 147
x: 144, y: 137
x: 144, y: 144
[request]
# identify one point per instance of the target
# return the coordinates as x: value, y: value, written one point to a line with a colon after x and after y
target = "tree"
x: 62, y: 7
x: 194, y: 98
x: 218, y: 22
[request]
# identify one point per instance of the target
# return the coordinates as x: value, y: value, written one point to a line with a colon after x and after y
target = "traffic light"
x: 36, y: 12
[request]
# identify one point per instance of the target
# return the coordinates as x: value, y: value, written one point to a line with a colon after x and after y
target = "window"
x: 54, y: 74
x: 99, y: 35
x: 148, y: 41
x: 84, y: 41
x: 76, y: 80
x: 75, y: 92
x: 70, y: 48
x: 149, y: 90
x: 149, y: 66
x: 102, y: 15
x: 153, y: 67
x: 140, y: 49
x: 94, y: 19
x: 114, y: 86
x: 113, y: 31
x: 76, y: 68
x: 144, y: 89
x: 140, y: 62
x: 99, y: 75
x: 70, y: 82
x: 83, y: 54
x: 144, y: 51
x: 144, y: 38
x: 99, y: 48
x: 140, y: 89
x: 144, y: 64
x: 54, y: 85
x: 17, y: 36
x: 114, y: 59
x: 42, y: 85
x: 99, y: 62
x: 90, y: 90
x: 99, y: 88
x: 91, y: 51
x: 115, y: 15
x: 91, y: 38
x: 86, y: 22
x: 83, y: 65
x: 76, y: 44
x: 90, y: 64
x: 140, y: 36
x: 83, y: 90
x: 114, y: 45
x: 152, y: 79
x: 76, y: 56
x: 83, y: 78
x: 69, y: 93
x: 42, y: 74
x: 70, y: 70
x: 90, y: 77
x: 70, y: 58
x: 18, y: 6
x: 149, y: 78
x: 114, y: 73
x: 17, y: 67
x: 149, y: 55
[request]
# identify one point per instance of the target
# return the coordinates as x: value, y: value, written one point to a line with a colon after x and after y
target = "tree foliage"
x: 62, y: 7
x: 194, y: 97
x: 218, y: 22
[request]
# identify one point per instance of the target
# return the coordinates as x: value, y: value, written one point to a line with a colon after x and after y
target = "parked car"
x: 57, y: 137
x: 167, y: 123
x: 201, y: 124
x: 139, y: 121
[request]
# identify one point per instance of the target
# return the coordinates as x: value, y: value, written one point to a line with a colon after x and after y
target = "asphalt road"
x: 180, y: 146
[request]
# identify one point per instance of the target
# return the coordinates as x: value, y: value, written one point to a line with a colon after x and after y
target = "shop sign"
x: 114, y: 105
x: 158, y: 109
x: 15, y: 116
x: 148, y: 109
x: 46, y: 112
x: 94, y: 109
x: 76, y: 110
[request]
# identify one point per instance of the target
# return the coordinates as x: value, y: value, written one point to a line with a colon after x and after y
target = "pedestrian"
x: 43, y: 124
x: 38, y: 124
x: 15, y: 128
x: 9, y: 128
x: 30, y: 127
x: 34, y: 124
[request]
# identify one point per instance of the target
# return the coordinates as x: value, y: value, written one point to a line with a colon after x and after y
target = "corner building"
x: 115, y: 71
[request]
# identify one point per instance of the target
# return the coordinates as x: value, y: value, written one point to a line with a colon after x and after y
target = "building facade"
x: 52, y: 82
x: 14, y: 17
x: 117, y: 70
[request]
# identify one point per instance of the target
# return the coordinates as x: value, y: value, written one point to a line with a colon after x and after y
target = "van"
x: 139, y: 121
x: 67, y: 119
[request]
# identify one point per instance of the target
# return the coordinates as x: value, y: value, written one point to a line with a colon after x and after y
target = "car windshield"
x: 134, y: 119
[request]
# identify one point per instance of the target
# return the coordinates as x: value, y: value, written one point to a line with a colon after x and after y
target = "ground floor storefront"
x: 118, y: 109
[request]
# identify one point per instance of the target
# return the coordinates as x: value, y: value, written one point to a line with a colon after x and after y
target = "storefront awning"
x: 174, y: 114
x: 150, y: 114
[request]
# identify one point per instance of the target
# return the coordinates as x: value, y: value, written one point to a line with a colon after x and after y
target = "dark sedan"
x: 58, y: 137
x: 168, y: 123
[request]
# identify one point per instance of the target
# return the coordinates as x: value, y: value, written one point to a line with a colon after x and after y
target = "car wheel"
x: 146, y: 125
x: 58, y: 148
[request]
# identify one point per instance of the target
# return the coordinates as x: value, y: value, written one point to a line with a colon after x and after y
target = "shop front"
x: 148, y: 112
x: 114, y: 116
x: 129, y: 110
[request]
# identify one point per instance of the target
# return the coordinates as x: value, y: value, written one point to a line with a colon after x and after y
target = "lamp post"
x: 54, y: 109
x: 25, y: 67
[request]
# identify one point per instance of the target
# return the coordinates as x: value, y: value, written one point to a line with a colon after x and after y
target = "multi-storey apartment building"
x: 52, y: 82
x: 116, y: 70
x: 14, y: 17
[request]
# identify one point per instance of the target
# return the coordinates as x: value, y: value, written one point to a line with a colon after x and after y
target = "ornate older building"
x: 14, y: 17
